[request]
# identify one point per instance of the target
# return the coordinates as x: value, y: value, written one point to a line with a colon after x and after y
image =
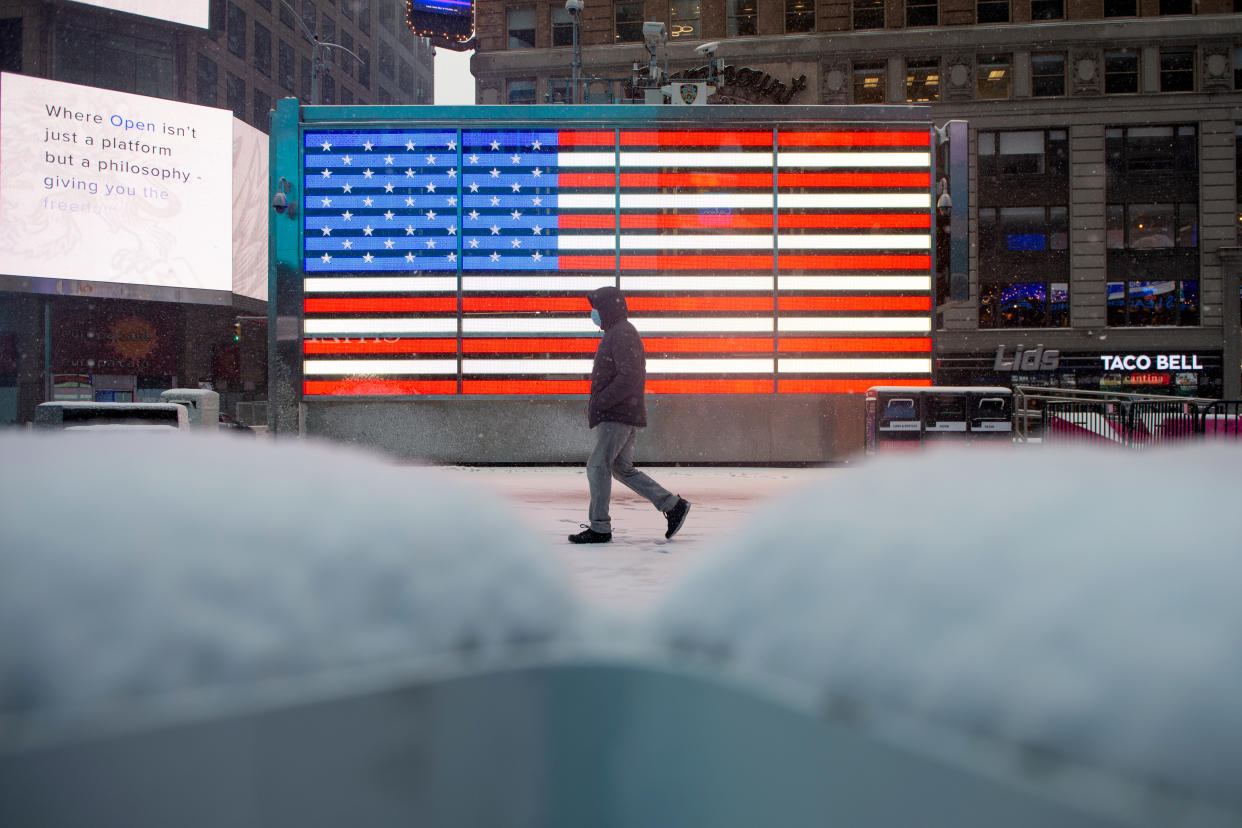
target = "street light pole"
x: 318, y: 64
x: 574, y: 7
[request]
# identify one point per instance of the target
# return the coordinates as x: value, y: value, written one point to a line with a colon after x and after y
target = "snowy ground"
x: 639, y: 567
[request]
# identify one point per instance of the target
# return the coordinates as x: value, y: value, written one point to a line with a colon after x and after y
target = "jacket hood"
x: 610, y: 303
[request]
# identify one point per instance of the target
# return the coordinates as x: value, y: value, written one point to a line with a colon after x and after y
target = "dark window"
x: 1047, y: 75
x: 1024, y: 305
x: 11, y: 44
x: 327, y: 34
x: 922, y: 12
x: 521, y: 28
x: 1237, y: 68
x: 266, y: 4
x: 1142, y: 303
x: 347, y: 96
x: 262, y: 104
x: 1022, y: 230
x: 1121, y: 72
x: 205, y: 81
x: 364, y: 67
x: 743, y: 15
x: 309, y: 16
x: 235, y: 92
x: 562, y: 27
x: 868, y: 14
x: 347, y: 61
x: 923, y: 79
x: 995, y: 77
x: 684, y: 19
x: 364, y: 16
x: 992, y: 11
x: 1120, y: 8
x: 112, y: 59
x: 1047, y: 9
x: 870, y: 82
x: 799, y: 16
x: 522, y: 91
x: 1150, y: 149
x: 328, y: 89
x: 387, y: 60
x: 1152, y: 226
x: 405, y: 76
x: 629, y: 21
x: 383, y: 97
x: 383, y: 13
x: 305, y: 85
x: 1177, y: 70
x: 284, y: 65
x: 1023, y: 152
x: 237, y: 31
x: 262, y: 49
x: 347, y: 9
x: 1177, y: 7
x: 287, y: 17
x: 1237, y: 174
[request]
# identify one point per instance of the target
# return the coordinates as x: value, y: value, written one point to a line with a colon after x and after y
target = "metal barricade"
x: 1152, y: 422
x: 1221, y: 420
x: 1081, y: 421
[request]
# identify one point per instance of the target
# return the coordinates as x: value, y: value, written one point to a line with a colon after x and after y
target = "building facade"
x: 1104, y: 154
x: 75, y: 338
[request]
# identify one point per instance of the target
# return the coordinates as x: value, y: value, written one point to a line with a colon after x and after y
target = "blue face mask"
x: 595, y: 318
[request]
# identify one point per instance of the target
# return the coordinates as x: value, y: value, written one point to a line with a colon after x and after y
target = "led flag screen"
x: 754, y: 261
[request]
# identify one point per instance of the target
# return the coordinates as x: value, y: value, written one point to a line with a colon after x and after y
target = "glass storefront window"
x: 1144, y: 303
x: 1150, y: 225
x: 1024, y: 305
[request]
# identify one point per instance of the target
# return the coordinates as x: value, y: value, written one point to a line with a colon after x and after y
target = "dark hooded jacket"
x: 620, y: 371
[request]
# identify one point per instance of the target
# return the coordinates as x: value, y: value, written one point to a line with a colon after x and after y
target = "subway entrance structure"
x: 429, y: 274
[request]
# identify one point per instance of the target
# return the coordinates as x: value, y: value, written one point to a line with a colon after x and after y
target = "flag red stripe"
x: 844, y: 386
x: 526, y: 386
x: 886, y: 220
x: 707, y: 344
x: 703, y: 386
x: 697, y: 179
x: 705, y: 261
x: 695, y: 221
x: 853, y: 139
x: 586, y: 179
x: 380, y: 346
x: 853, y: 179
x: 586, y: 262
x: 694, y: 138
x: 378, y: 387
x: 842, y: 344
x: 852, y: 262
x: 855, y: 303
x: 421, y: 304
x: 588, y: 138
x: 525, y: 304
x: 532, y: 345
x: 641, y: 304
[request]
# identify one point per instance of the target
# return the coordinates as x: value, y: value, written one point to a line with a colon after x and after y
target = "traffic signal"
x: 237, y: 332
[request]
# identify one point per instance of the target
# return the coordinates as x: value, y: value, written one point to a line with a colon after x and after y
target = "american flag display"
x: 786, y: 259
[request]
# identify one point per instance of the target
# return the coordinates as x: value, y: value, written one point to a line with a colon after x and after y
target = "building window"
x: 1047, y: 75
x: 347, y: 61
x: 683, y: 20
x: 364, y: 16
x: 560, y: 91
x: 562, y: 26
x: 262, y: 49
x: 235, y: 92
x: 522, y: 91
x: 284, y: 65
x: 995, y: 77
x: 922, y: 12
x: 384, y: 14
x: 1177, y: 70
x: 206, y: 80
x: 1120, y: 8
x: 237, y: 31
x: 262, y: 105
x: 628, y: 21
x: 521, y: 28
x: 1121, y: 72
x: 327, y: 34
x: 1152, y: 226
x: 327, y: 89
x: 742, y: 18
x: 309, y: 16
x: 868, y: 14
x: 347, y: 96
x: 1024, y: 305
x: 923, y: 80
x: 1025, y: 152
x: 387, y: 60
x: 799, y: 16
x: 1047, y: 9
x: 1237, y: 174
x: 1022, y: 230
x: 383, y: 97
x: 364, y: 66
x: 992, y: 11
x: 870, y: 82
x: 11, y: 45
x: 405, y: 77
x: 1177, y: 7
x: 305, y: 80
x: 1149, y: 149
x: 1153, y: 303
x: 347, y: 9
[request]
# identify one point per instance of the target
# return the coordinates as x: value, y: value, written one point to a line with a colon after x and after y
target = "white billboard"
x: 189, y: 12
x: 250, y: 209
x: 111, y: 187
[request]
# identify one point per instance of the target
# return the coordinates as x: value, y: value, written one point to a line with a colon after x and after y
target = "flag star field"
x: 754, y: 260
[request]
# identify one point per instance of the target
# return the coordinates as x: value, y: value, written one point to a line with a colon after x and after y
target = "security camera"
x: 653, y: 32
x: 280, y: 203
x: 708, y: 49
x: 573, y: 6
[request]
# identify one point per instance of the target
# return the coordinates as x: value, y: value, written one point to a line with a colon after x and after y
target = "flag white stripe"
x: 639, y: 284
x: 527, y: 325
x: 709, y: 366
x: 853, y: 366
x: 720, y: 324
x: 689, y: 241
x: 793, y: 158
x: 378, y: 325
x: 378, y: 367
x: 903, y: 241
x: 744, y: 201
x: 844, y: 201
x: 905, y: 324
x: 913, y: 283
x: 695, y: 201
x: 587, y: 159
x: 526, y: 366
x: 714, y: 160
x: 380, y: 284
x: 498, y: 284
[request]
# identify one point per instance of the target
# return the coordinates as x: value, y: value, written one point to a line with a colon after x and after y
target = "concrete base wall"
x: 681, y: 429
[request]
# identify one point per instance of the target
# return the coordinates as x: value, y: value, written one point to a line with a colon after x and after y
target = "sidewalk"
x: 639, y: 567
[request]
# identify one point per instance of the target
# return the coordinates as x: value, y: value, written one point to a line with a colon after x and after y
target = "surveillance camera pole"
x: 574, y: 7
x: 318, y: 64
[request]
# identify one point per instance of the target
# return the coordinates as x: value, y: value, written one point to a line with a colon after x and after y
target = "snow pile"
x: 1077, y: 605
x: 132, y: 566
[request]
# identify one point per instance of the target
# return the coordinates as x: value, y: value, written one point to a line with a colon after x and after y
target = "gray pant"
x: 613, y: 456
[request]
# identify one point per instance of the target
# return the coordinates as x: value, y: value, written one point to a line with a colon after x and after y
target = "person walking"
x: 617, y: 411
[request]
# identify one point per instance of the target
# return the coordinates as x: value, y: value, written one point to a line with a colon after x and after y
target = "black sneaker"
x: 589, y: 535
x: 677, y: 516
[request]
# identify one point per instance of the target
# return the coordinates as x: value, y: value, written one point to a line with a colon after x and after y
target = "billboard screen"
x: 755, y: 260
x: 189, y: 12
x: 102, y: 186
